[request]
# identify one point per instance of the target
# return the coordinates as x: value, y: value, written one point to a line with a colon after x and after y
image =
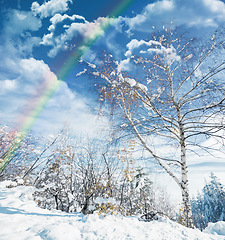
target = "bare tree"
x: 175, y: 101
x: 16, y: 151
x: 9, y: 143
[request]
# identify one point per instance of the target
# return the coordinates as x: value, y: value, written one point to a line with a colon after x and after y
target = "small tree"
x: 176, y: 99
x: 144, y: 196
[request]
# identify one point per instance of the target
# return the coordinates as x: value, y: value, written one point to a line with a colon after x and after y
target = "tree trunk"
x: 185, y: 190
x: 85, y: 207
x: 56, y: 202
x: 187, y: 206
x: 184, y: 180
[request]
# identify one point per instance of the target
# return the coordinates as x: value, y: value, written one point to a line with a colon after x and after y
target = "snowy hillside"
x: 21, y: 219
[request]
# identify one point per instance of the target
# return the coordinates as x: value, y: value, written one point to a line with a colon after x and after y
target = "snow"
x: 142, y: 87
x: 131, y: 81
x: 100, y: 200
x: 82, y: 72
x: 21, y: 219
x: 216, y: 228
x: 91, y: 65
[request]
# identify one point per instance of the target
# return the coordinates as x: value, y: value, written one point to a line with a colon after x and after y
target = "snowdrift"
x: 21, y: 219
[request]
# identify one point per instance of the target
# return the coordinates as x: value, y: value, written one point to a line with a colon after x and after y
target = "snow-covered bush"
x: 85, y: 180
x: 54, y: 189
x: 73, y: 178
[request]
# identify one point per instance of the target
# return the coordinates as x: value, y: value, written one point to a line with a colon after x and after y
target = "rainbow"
x: 50, y: 86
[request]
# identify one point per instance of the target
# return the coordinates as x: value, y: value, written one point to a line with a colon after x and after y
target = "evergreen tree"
x: 209, y: 206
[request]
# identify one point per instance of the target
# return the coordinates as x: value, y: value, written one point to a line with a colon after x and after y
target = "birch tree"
x: 174, y: 102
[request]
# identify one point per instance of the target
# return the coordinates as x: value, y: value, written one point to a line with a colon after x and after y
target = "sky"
x: 39, y: 41
x: 40, y: 88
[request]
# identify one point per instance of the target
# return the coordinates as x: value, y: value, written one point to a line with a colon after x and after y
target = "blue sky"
x: 37, y: 37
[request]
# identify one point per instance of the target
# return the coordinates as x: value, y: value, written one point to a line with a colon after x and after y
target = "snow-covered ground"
x: 21, y: 219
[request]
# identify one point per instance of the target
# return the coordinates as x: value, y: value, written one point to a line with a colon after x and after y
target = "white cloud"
x: 25, y: 81
x: 51, y: 7
x: 197, y: 13
x: 136, y: 47
x: 7, y: 85
x: 24, y: 84
x: 134, y: 44
x: 216, y: 6
x: 67, y: 106
x: 125, y: 65
x: 19, y: 22
x: 33, y: 83
x: 48, y: 39
x: 88, y: 30
x: 57, y: 18
x: 18, y: 28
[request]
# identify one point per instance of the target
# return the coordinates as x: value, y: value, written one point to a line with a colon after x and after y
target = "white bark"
x: 184, y: 182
